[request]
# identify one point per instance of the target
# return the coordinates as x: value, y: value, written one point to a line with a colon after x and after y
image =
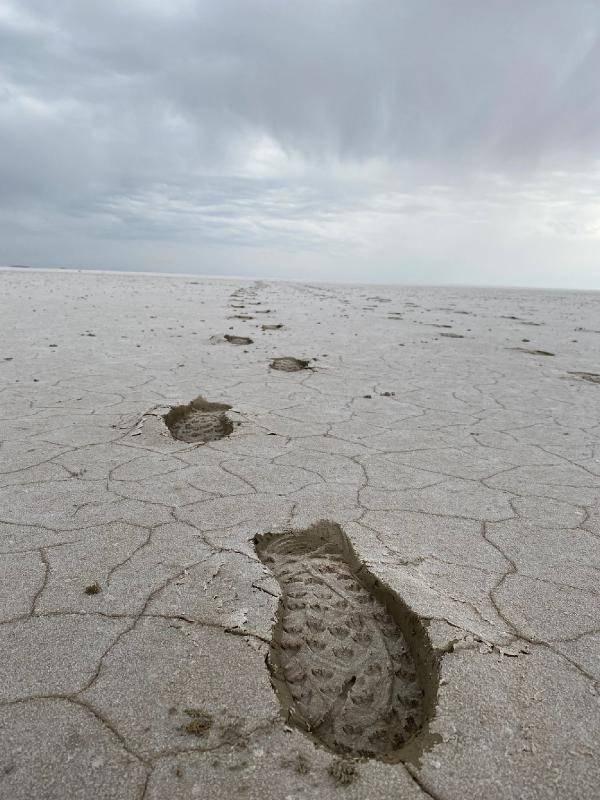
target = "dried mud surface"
x: 139, y: 626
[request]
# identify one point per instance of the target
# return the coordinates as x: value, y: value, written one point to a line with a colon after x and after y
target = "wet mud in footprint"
x: 289, y: 364
x: 340, y: 659
x: 199, y: 421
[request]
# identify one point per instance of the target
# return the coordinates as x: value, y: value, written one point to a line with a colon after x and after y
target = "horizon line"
x: 220, y: 276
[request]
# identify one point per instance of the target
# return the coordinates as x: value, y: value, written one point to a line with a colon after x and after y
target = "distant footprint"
x: 289, y: 364
x: 591, y: 377
x: 199, y: 421
x: 532, y: 351
x: 238, y: 339
x: 340, y: 663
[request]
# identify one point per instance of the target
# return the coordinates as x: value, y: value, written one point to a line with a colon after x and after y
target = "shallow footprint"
x: 340, y: 661
x: 199, y: 421
x: 532, y: 351
x: 289, y: 364
x: 237, y: 339
x: 591, y: 377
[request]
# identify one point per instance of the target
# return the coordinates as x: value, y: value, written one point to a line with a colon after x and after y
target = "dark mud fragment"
x: 200, y: 722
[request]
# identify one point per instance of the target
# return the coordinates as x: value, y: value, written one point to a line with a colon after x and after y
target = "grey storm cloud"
x: 261, y: 123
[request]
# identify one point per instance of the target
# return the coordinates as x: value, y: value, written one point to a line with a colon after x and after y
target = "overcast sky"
x: 412, y: 141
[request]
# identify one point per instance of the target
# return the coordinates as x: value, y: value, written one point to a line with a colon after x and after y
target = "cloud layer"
x: 409, y: 141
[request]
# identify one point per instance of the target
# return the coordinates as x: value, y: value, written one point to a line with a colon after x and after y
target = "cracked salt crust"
x: 465, y: 473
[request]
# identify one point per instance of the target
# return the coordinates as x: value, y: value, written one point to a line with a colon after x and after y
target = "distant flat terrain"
x: 273, y: 540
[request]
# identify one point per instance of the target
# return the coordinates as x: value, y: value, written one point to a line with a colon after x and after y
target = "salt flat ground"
x: 464, y: 469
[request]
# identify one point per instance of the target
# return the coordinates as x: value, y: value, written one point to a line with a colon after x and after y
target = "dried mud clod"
x: 93, y: 588
x: 343, y: 772
x: 200, y: 722
x: 199, y: 421
x: 238, y: 339
x: 347, y: 658
x: 289, y: 364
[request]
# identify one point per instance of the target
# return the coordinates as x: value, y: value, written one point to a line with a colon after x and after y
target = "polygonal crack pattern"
x: 342, y: 661
x: 199, y: 421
